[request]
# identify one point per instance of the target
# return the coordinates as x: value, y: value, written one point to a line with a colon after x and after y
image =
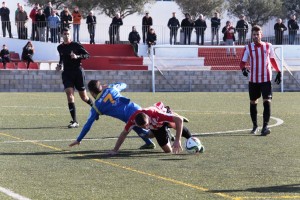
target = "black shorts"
x: 161, y: 135
x: 74, y: 78
x: 256, y: 90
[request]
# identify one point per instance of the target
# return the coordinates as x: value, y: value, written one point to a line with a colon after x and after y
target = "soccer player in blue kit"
x: 110, y: 102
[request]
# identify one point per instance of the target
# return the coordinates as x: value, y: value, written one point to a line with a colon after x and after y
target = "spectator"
x: 151, y: 39
x: 173, y: 25
x: 27, y: 53
x: 279, y: 28
x: 4, y: 13
x: 41, y: 24
x: 66, y: 20
x: 47, y: 12
x: 215, y: 26
x: 229, y: 38
x: 146, y: 23
x: 32, y: 15
x: 187, y: 26
x: 76, y: 23
x: 54, y: 22
x: 63, y: 12
x: 21, y: 20
x: 293, y: 28
x: 134, y: 39
x: 91, y: 23
x: 114, y: 29
x: 242, y: 29
x: 200, y: 26
x: 4, y: 56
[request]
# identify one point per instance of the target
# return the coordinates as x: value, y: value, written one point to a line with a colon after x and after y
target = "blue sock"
x: 141, y: 132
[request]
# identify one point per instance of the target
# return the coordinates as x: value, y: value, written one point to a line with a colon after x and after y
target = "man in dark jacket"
x: 242, y: 29
x: 200, y: 26
x: 134, y: 39
x: 4, y: 13
x: 293, y: 28
x: 114, y: 29
x: 146, y: 23
x: 187, y: 26
x: 173, y: 25
x: 4, y: 56
x: 91, y: 23
x: 279, y: 28
x: 47, y: 12
x: 215, y: 26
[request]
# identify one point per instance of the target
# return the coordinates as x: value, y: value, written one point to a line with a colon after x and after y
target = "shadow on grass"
x: 292, y: 188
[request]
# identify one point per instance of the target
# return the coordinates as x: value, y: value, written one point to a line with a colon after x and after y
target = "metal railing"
x: 42, y: 32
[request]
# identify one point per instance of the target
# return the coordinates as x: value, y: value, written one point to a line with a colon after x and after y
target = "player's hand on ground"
x: 74, y: 143
x: 58, y: 67
x: 112, y: 152
x: 245, y: 72
x: 278, y: 78
x: 176, y: 147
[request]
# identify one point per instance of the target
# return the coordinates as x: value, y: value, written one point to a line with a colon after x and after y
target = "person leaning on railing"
x: 91, y: 25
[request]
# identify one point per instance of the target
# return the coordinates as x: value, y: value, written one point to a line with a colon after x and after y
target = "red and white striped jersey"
x: 261, y: 56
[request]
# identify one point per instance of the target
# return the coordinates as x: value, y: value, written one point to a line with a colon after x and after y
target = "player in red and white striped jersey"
x: 158, y: 121
x: 261, y: 56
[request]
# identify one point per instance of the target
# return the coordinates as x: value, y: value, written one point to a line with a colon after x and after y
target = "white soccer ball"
x: 193, y: 145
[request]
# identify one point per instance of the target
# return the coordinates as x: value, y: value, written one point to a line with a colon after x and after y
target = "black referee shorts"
x: 74, y: 79
x: 256, y: 90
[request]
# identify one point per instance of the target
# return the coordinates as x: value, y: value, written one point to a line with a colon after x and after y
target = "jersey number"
x: 109, y: 98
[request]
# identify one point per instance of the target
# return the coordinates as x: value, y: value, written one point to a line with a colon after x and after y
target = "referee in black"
x: 73, y: 77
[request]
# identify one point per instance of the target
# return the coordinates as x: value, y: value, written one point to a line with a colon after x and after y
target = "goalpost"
x: 209, y: 58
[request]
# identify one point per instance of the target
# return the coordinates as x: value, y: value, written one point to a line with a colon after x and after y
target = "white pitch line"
x: 12, y: 194
x: 278, y: 122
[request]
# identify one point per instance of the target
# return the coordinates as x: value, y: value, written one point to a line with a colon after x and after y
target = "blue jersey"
x: 110, y: 102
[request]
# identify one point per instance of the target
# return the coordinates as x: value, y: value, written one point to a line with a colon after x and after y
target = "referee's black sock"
x: 90, y: 102
x: 253, y: 114
x: 267, y: 113
x: 72, y: 110
x: 186, y: 133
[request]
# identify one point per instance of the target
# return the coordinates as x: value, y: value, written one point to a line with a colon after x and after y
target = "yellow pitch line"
x: 158, y: 176
x: 129, y: 169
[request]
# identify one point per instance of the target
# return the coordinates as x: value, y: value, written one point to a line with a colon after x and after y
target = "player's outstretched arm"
x: 119, y: 142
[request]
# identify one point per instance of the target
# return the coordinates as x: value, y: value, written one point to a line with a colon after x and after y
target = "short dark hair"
x: 256, y: 28
x: 140, y: 119
x: 94, y: 86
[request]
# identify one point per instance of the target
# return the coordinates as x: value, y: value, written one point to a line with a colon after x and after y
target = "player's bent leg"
x: 167, y: 148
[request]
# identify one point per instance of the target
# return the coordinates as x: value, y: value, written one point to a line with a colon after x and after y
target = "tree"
x: 108, y: 7
x: 291, y: 7
x: 197, y: 7
x: 258, y: 12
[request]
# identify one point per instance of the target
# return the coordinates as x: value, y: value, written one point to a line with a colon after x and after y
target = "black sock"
x: 186, y: 133
x: 267, y: 113
x: 253, y: 113
x: 90, y: 102
x: 72, y: 110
